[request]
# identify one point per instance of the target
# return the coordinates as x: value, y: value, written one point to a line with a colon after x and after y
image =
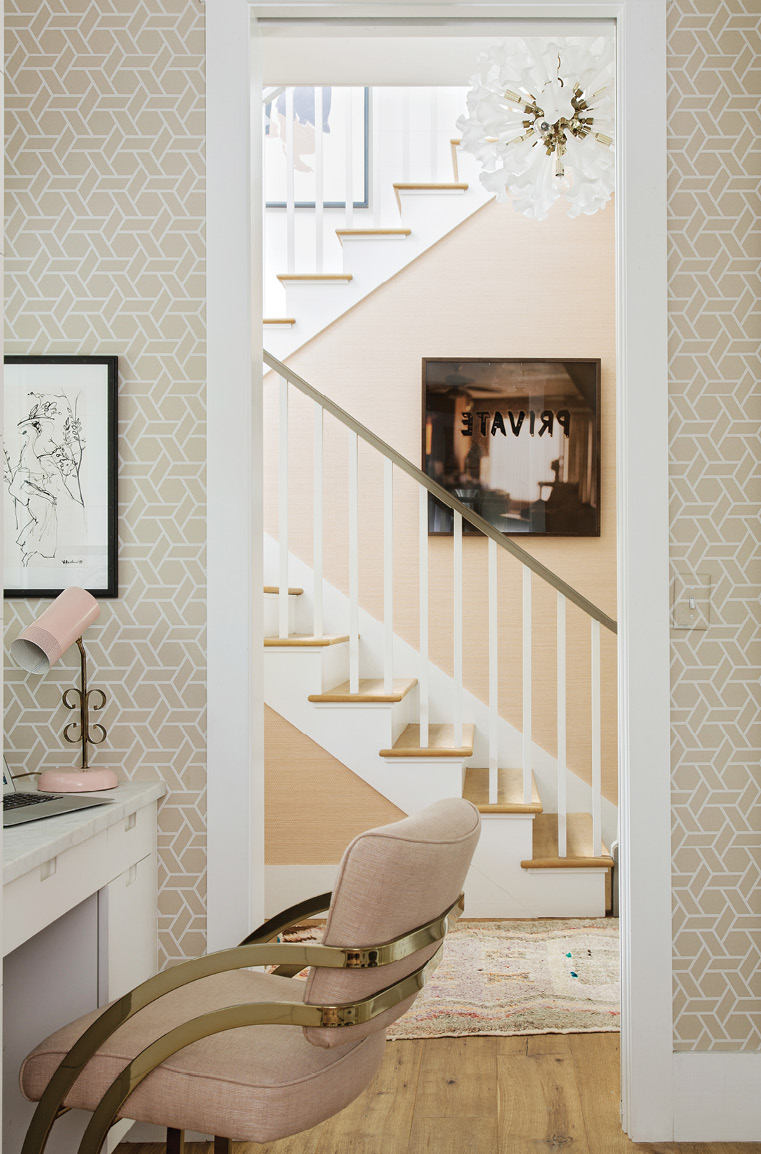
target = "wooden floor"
x: 528, y: 1095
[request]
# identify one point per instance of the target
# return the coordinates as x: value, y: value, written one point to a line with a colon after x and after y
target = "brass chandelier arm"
x: 287, y: 918
x: 232, y: 1018
x: 289, y: 954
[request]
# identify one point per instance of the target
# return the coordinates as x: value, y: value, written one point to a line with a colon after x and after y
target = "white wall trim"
x: 716, y: 1097
x: 647, y: 1065
x: 235, y: 759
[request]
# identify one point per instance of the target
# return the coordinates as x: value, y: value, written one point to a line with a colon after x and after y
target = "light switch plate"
x: 691, y: 605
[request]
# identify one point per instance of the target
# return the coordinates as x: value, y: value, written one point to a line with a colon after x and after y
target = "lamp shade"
x: 42, y: 643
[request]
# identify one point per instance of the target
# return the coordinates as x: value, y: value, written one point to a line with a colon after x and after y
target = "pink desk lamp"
x: 39, y: 646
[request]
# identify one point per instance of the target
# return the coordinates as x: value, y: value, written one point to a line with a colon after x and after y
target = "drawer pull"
x: 47, y: 869
x: 131, y: 821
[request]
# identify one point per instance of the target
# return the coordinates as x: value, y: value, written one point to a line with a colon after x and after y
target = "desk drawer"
x: 131, y: 839
x: 36, y: 899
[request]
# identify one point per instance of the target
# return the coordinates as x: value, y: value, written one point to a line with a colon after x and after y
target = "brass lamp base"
x: 76, y: 780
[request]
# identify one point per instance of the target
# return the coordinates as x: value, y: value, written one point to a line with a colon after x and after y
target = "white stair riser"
x: 284, y: 885
x: 562, y: 893
x: 378, y: 259
x: 272, y: 614
x: 298, y: 671
x: 386, y: 720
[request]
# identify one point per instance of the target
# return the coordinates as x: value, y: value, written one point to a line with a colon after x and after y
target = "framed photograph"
x: 517, y: 441
x: 341, y: 107
x: 60, y: 475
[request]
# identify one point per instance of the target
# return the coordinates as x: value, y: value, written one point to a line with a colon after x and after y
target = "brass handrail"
x: 441, y: 494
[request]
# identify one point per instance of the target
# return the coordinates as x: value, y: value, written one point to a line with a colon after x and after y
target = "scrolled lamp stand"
x: 38, y: 647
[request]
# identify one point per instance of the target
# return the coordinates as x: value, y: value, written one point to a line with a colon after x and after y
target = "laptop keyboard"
x: 14, y: 800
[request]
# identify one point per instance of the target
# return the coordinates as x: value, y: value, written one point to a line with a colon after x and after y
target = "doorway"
x: 642, y: 457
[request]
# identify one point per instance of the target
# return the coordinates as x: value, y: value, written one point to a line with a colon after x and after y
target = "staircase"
x: 384, y: 710
x: 320, y: 260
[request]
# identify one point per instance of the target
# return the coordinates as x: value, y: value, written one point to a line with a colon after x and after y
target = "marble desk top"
x: 29, y: 845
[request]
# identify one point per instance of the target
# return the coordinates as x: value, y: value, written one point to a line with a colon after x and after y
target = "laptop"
x: 22, y: 807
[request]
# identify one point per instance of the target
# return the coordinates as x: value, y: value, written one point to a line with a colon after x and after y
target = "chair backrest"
x: 391, y: 880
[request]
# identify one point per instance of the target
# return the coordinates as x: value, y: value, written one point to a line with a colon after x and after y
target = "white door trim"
x: 642, y: 474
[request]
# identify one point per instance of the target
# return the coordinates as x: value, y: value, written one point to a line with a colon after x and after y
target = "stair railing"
x: 496, y: 541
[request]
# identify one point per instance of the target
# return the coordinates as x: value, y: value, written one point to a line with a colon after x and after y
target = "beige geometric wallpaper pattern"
x: 714, y: 124
x: 105, y: 204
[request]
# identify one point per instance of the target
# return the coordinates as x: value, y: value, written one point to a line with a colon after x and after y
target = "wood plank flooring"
x: 540, y: 1094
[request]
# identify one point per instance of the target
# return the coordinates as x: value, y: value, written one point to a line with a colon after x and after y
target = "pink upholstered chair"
x: 204, y: 1045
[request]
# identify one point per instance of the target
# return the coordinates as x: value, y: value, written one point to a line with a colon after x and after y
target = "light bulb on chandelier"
x: 541, y: 123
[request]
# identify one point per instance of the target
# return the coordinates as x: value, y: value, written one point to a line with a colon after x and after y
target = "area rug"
x: 549, y: 976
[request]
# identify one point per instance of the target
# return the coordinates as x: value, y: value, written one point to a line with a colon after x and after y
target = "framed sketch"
x: 344, y: 111
x: 60, y: 475
x: 517, y: 441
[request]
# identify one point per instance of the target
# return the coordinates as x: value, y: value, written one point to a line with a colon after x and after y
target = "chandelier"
x: 541, y: 123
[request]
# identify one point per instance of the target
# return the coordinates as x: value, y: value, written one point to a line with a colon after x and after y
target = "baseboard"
x: 716, y: 1097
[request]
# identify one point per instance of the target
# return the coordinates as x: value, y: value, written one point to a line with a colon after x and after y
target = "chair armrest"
x: 287, y: 918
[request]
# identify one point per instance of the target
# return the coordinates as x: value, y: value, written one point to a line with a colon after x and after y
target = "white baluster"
x: 433, y: 97
x: 375, y: 130
x: 561, y: 723
x: 282, y: 599
x: 349, y: 190
x: 406, y: 135
x: 596, y: 744
x: 493, y: 627
x: 290, y: 211
x: 388, y: 575
x: 457, y: 546
x: 423, y: 577
x: 527, y: 762
x: 353, y: 563
x: 317, y: 521
x: 319, y: 182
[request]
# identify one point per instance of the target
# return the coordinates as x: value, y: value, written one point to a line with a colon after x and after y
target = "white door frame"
x: 235, y: 831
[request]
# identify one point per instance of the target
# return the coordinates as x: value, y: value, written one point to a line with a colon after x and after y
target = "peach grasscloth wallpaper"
x: 714, y: 123
x: 105, y: 219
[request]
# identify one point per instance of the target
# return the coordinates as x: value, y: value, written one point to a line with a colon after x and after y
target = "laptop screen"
x: 8, y: 783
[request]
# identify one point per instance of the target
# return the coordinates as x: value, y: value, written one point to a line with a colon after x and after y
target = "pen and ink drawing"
x: 45, y: 478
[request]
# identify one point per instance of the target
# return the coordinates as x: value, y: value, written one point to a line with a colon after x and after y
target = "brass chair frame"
x: 258, y: 949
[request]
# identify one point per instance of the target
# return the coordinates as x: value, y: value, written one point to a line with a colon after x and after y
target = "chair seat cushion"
x: 255, y: 1083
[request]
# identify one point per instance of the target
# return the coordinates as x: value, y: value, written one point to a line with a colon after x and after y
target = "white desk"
x: 80, y: 897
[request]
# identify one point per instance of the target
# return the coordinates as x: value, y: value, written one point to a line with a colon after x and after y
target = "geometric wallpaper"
x: 105, y: 244
x: 714, y: 121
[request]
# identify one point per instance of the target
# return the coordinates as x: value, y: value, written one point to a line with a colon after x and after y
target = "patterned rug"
x: 549, y: 976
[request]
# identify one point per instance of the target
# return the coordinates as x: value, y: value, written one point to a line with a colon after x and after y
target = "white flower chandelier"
x: 541, y: 122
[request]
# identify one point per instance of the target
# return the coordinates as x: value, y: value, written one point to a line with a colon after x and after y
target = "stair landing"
x: 510, y: 792
x: 440, y: 742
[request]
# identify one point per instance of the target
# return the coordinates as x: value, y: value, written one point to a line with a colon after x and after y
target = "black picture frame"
x: 532, y: 429
x: 60, y: 475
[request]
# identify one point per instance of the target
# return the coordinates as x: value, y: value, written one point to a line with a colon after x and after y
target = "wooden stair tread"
x: 293, y: 591
x: 510, y: 791
x: 304, y: 639
x: 340, y: 232
x: 319, y: 276
x: 279, y: 321
x: 370, y: 690
x: 440, y: 742
x: 430, y: 186
x: 578, y: 839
